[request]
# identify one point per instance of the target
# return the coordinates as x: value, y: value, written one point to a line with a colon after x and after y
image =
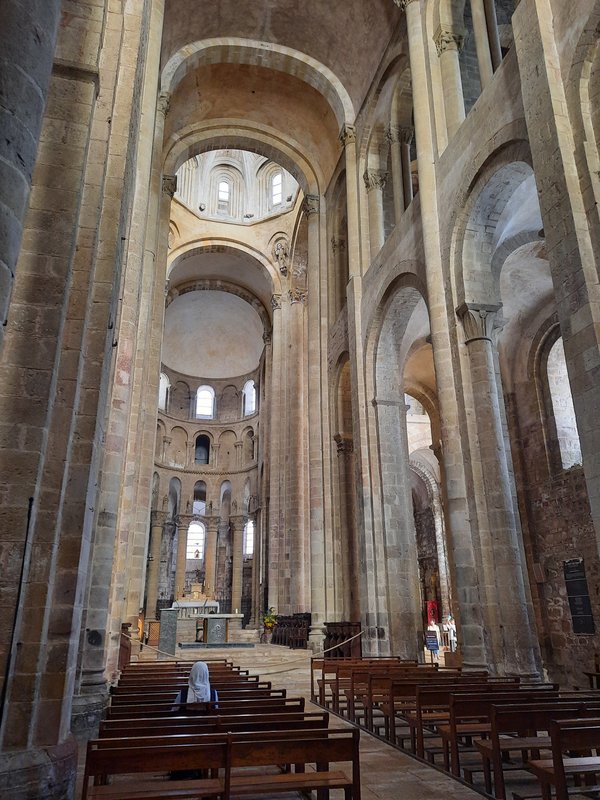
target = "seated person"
x: 199, y: 690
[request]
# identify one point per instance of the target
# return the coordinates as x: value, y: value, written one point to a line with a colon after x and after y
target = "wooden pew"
x: 524, y: 728
x: 135, y: 761
x: 117, y: 728
x: 258, y: 705
x: 168, y: 686
x: 156, y: 698
x: 226, y: 752
x: 432, y: 704
x: 568, y: 736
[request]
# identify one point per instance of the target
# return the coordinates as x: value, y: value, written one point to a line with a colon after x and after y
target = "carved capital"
x: 275, y: 301
x: 169, y: 184
x: 402, y: 134
x: 477, y: 320
x: 347, y: 134
x: 158, y: 518
x: 338, y: 244
x: 403, y: 3
x: 448, y: 39
x: 163, y: 103
x: 374, y: 179
x: 311, y: 204
x: 345, y: 445
x: 297, y: 295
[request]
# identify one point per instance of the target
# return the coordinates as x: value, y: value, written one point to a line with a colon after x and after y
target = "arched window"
x: 199, y: 505
x: 277, y: 189
x: 562, y: 406
x: 249, y: 398
x: 249, y: 538
x: 205, y: 402
x: 195, y: 541
x: 202, y: 451
x: 224, y: 197
x: 163, y: 391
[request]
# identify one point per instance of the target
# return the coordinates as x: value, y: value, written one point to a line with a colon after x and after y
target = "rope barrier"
x: 317, y: 654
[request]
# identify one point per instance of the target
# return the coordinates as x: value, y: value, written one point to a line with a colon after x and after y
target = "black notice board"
x: 579, y: 596
x: 431, y: 641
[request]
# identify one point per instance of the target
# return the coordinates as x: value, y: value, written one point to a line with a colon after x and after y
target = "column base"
x: 87, y: 711
x: 43, y: 773
x: 316, y: 637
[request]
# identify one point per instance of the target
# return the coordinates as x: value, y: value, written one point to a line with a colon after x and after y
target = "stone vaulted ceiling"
x: 347, y: 36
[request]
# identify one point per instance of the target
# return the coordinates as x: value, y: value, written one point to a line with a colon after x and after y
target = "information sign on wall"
x: 579, y: 596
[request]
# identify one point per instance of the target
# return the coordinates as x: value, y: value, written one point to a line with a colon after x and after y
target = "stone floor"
x: 386, y: 773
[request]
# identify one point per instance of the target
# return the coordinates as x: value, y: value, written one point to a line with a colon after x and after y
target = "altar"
x: 216, y: 628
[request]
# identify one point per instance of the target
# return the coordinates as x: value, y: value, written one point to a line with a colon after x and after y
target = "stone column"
x: 183, y: 522
x: 406, y: 136
x: 502, y: 554
x: 158, y: 519
x: 492, y: 30
x: 375, y: 180
x: 459, y: 507
x: 482, y: 43
x: 347, y: 550
x: 297, y: 530
x: 210, y: 555
x: 397, y: 572
x: 276, y: 412
x: 238, y: 454
x: 27, y: 39
x: 348, y: 140
x: 449, y: 43
x: 236, y: 526
x: 394, y: 138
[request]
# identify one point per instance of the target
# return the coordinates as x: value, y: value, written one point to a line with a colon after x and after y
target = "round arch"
x: 231, y: 134
x: 230, y: 50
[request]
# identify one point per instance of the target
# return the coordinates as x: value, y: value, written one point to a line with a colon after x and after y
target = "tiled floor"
x: 386, y: 773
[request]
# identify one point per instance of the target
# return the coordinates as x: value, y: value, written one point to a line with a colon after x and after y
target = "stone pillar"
x: 492, y: 30
x: 348, y: 140
x: 406, y: 134
x: 347, y: 550
x: 27, y: 39
x: 183, y: 521
x: 449, y: 43
x: 236, y: 526
x: 210, y: 555
x: 375, y: 180
x: 459, y: 511
x: 276, y: 413
x: 502, y: 554
x: 238, y: 454
x: 158, y: 519
x: 394, y: 138
x: 318, y: 576
x: 398, y: 572
x: 296, y: 562
x: 482, y: 42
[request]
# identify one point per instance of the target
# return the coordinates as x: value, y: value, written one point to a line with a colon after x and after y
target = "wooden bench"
x: 470, y: 715
x: 117, y: 728
x: 246, y: 706
x: 172, y: 696
x: 568, y: 736
x: 524, y: 728
x: 229, y: 753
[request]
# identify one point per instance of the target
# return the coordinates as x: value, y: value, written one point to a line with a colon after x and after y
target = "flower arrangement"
x: 269, y: 619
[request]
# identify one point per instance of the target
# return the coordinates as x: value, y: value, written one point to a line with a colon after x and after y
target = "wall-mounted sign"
x: 579, y: 596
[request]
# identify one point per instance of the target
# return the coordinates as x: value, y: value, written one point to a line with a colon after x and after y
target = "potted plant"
x: 269, y: 620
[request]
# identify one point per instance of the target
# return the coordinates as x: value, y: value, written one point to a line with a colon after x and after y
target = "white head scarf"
x: 199, y: 683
